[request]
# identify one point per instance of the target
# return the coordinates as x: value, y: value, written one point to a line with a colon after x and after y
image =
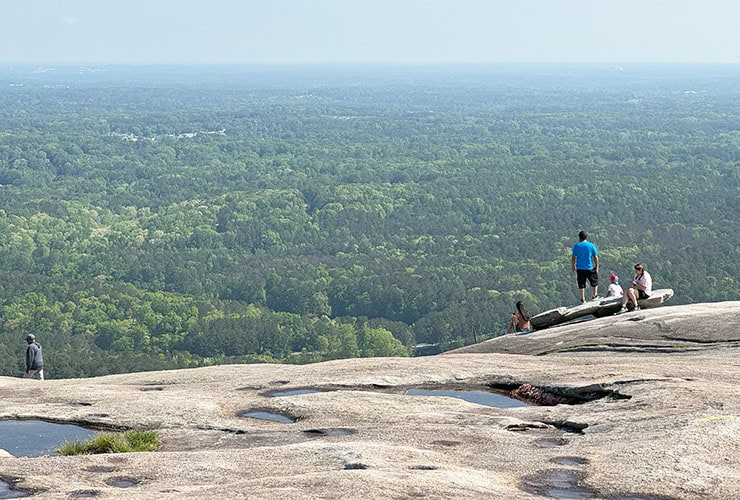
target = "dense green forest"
x: 162, y: 217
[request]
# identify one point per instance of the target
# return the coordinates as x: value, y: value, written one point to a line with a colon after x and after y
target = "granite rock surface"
x: 648, y: 407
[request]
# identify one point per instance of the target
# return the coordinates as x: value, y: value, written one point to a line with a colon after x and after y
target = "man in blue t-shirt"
x: 584, y: 262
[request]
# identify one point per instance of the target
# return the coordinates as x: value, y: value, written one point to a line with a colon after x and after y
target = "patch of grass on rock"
x: 110, y: 442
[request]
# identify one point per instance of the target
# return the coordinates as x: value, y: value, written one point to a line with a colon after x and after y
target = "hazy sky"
x: 403, y: 31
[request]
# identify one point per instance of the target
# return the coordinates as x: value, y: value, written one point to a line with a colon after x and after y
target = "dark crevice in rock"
x: 641, y: 381
x: 645, y: 348
x: 567, y: 426
x: 527, y: 426
x: 424, y: 467
x: 588, y: 393
x: 356, y: 466
x: 330, y: 432
x: 502, y: 386
x: 220, y: 429
x: 701, y: 341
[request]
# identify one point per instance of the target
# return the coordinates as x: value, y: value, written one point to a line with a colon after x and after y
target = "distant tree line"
x: 150, y: 221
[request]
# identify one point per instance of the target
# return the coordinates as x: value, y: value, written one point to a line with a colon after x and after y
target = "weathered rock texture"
x: 659, y: 417
x: 599, y: 308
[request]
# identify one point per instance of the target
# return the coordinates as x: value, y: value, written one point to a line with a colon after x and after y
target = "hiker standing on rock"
x: 585, y: 263
x: 34, y: 359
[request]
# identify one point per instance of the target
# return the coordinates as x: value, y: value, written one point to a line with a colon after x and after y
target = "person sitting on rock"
x: 642, y: 287
x: 614, y: 290
x: 520, y: 319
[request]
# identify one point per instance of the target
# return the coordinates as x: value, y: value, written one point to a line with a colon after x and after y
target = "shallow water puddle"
x: 32, y: 438
x: 267, y: 415
x: 477, y: 397
x: 7, y: 492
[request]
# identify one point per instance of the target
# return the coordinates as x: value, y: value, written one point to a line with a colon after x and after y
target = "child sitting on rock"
x: 614, y: 290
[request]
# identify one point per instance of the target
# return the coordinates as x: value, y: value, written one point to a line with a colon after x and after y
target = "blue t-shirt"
x: 584, y: 252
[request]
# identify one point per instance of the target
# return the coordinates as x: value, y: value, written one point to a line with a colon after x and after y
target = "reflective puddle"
x: 267, y: 415
x: 32, y: 438
x: 7, y: 492
x: 477, y: 397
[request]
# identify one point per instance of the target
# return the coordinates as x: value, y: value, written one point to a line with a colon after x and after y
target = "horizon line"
x: 371, y: 63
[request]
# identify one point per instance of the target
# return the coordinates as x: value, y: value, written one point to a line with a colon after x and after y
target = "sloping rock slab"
x: 598, y: 308
x: 673, y: 329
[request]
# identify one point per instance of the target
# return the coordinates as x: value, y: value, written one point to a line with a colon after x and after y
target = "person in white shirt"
x: 614, y: 290
x: 642, y: 287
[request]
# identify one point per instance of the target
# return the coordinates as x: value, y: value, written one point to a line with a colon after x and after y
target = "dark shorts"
x: 642, y: 295
x: 587, y: 274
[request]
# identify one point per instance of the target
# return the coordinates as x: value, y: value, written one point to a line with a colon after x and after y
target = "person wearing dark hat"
x: 585, y: 263
x: 34, y: 359
x: 615, y: 289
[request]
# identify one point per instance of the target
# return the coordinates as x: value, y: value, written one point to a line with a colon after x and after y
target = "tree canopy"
x: 153, y: 218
